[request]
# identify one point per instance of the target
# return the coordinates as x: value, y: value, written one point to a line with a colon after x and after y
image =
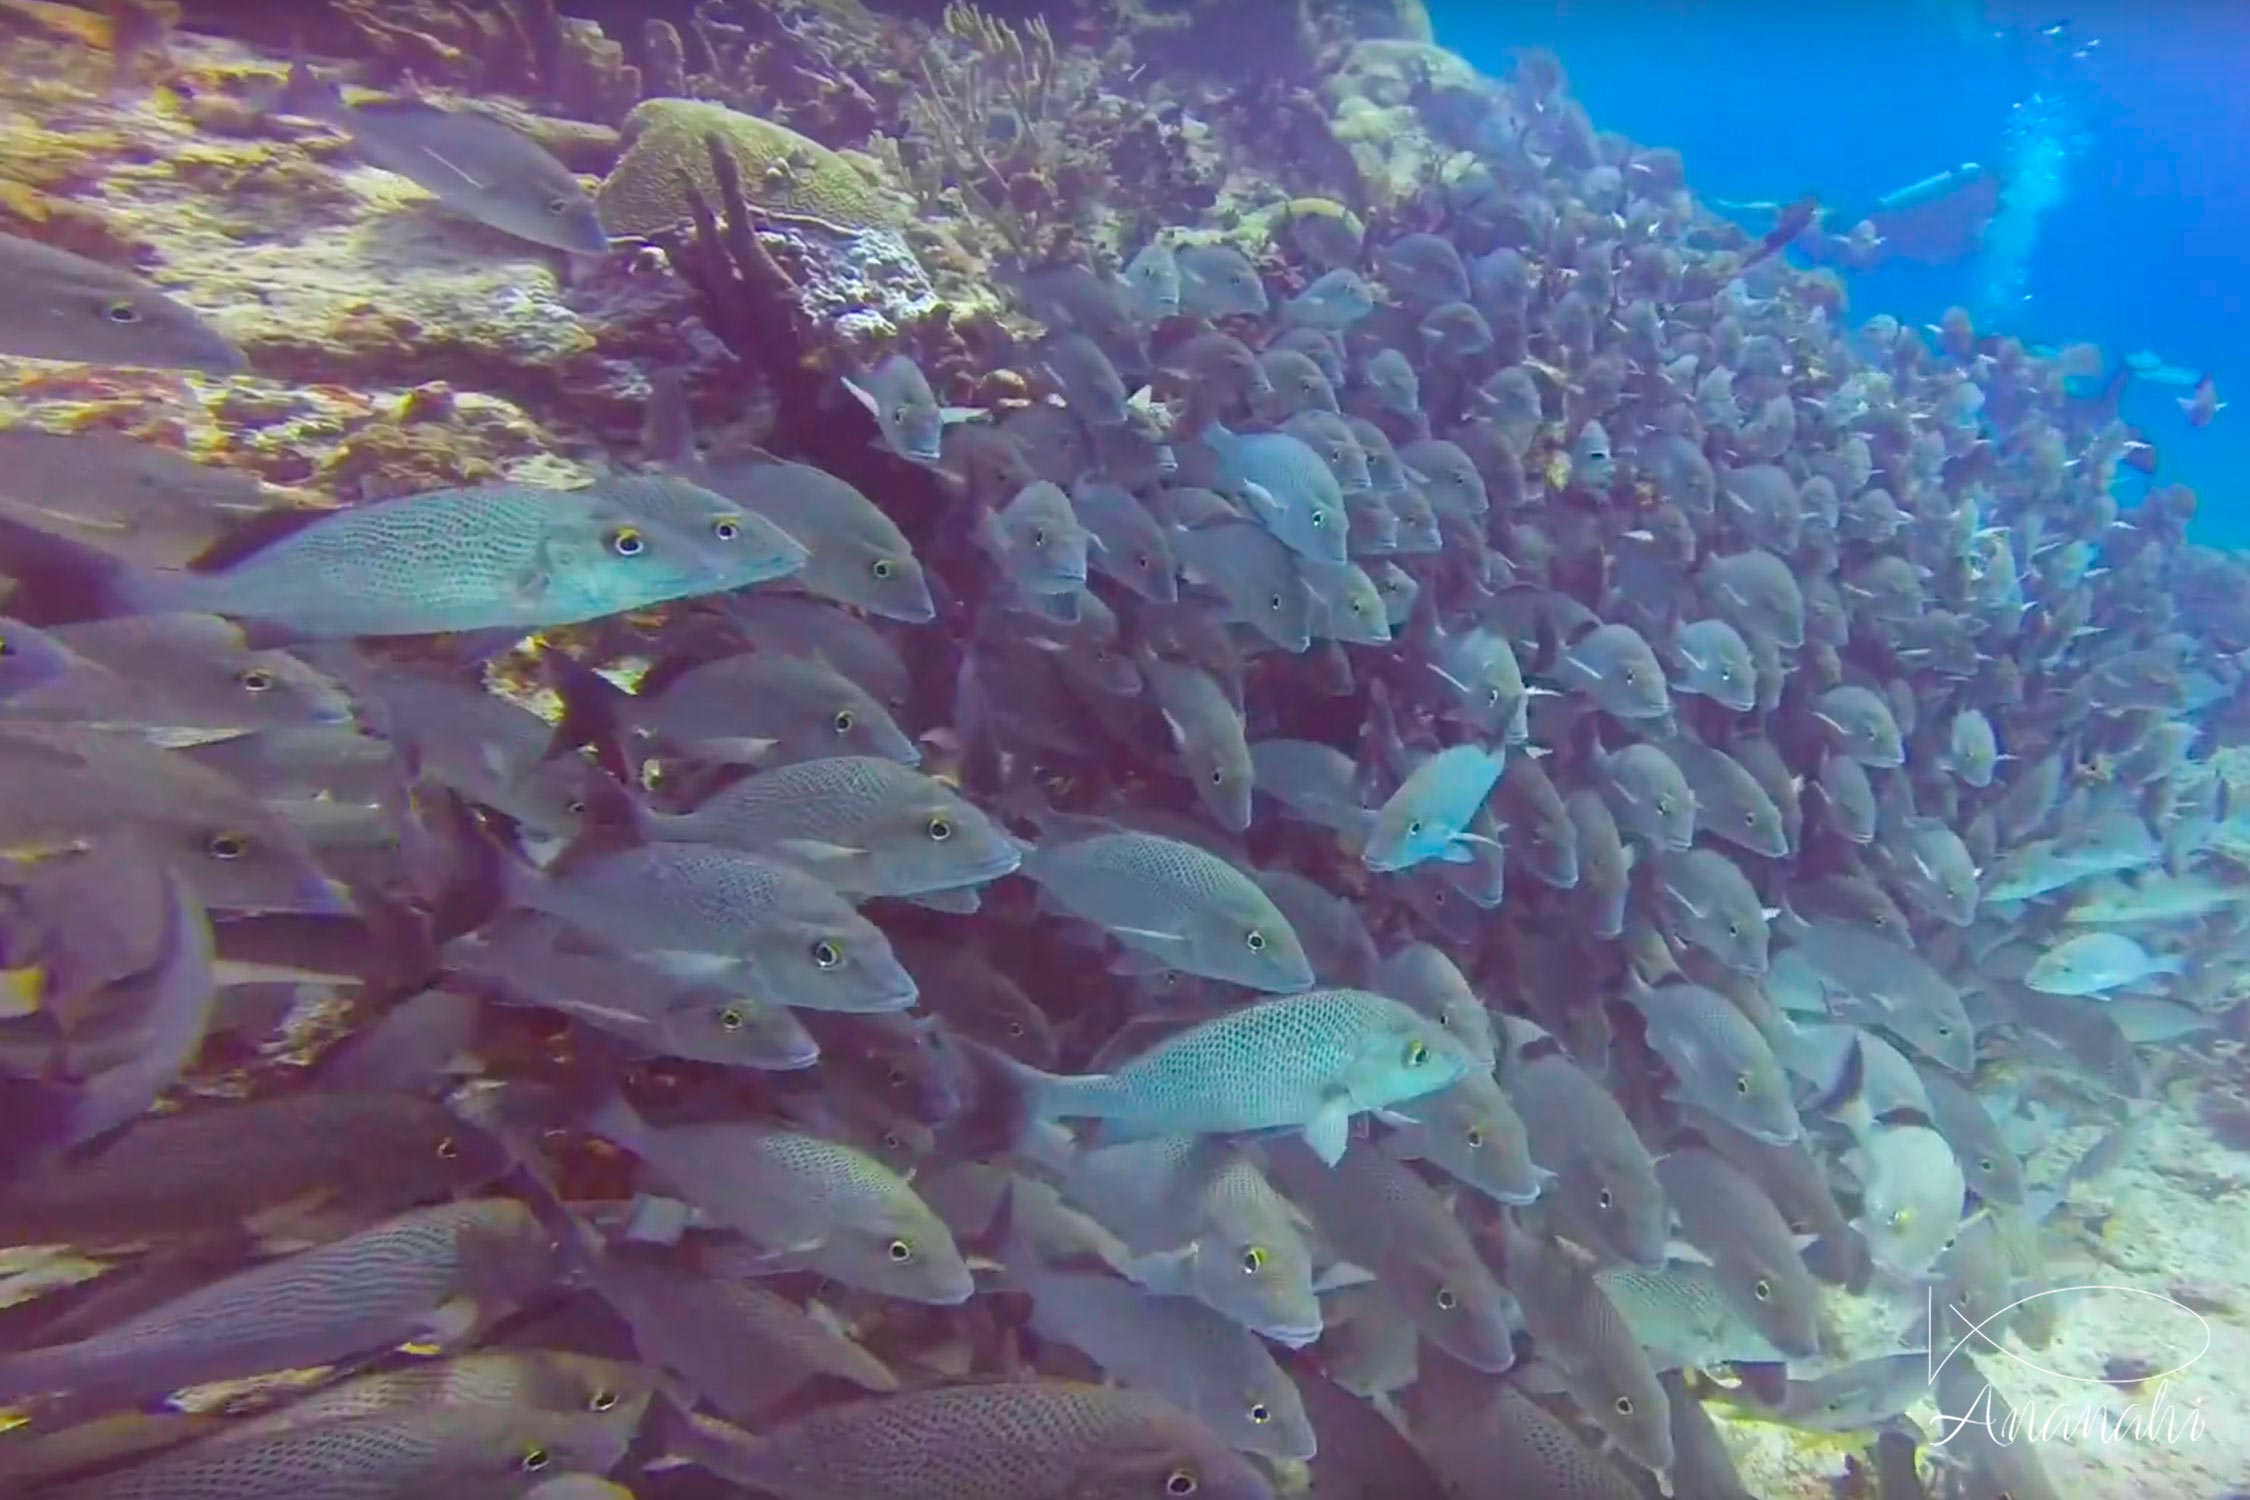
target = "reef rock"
x: 785, y: 176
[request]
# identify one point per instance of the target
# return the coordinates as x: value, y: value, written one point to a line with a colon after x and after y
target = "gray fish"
x: 1715, y: 662
x: 1720, y: 1061
x: 1346, y: 605
x: 1038, y: 542
x: 1399, y: 589
x: 1179, y: 906
x: 475, y: 165
x: 1448, y: 476
x: 1295, y: 383
x: 1932, y: 869
x: 797, y: 626
x: 1909, y: 997
x: 364, y: 1293
x: 1152, y: 283
x: 2094, y: 963
x: 1288, y: 486
x: 1702, y: 1468
x: 1089, y: 382
x: 1972, y: 750
x: 1380, y: 1215
x: 705, y: 914
x: 1649, y: 796
x: 442, y: 1448
x: 1213, y: 1369
x: 1206, y: 729
x: 1219, y: 369
x: 450, y: 560
x: 1483, y: 679
x: 1315, y: 781
x: 143, y: 502
x: 1605, y: 1192
x: 1473, y: 1134
x: 1208, y: 1225
x: 1617, y: 671
x: 808, y: 1202
x: 1997, y: 1459
x: 866, y: 826
x: 540, y: 963
x: 1471, y: 1428
x: 1133, y: 548
x: 899, y: 398
x: 1218, y: 281
x: 1574, y: 1323
x: 1847, y: 797
x: 1305, y: 1062
x: 1330, y: 436
x: 1912, y: 1204
x: 1335, y: 938
x: 1865, y: 1393
x: 1423, y: 270
x: 1323, y: 348
x: 1988, y: 1163
x: 172, y: 678
x: 1023, y: 1438
x: 1420, y: 975
x: 1859, y: 724
x: 1729, y: 802
x: 1763, y: 501
x: 1709, y: 903
x: 1540, y: 832
x: 1393, y: 381
x: 1455, y: 330
x: 1727, y: 1216
x: 756, y: 708
x: 1335, y: 300
x: 1683, y: 1317
x: 64, y: 306
x: 1757, y: 594
x: 1604, y: 864
x: 1255, y: 572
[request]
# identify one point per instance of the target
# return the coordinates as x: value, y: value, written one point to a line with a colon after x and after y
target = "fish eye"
x: 1180, y: 1482
x: 1275, y: 603
x: 1944, y: 1030
x: 1761, y: 1288
x: 891, y: 1139
x: 1218, y: 776
x: 845, y: 719
x: 226, y: 846
x: 1664, y: 805
x: 726, y: 528
x: 1604, y: 1198
x: 255, y: 680
x: 627, y: 541
x: 122, y: 312
x: 940, y: 828
x: 1742, y: 1083
x: 826, y: 954
x: 900, y: 1251
x: 1984, y: 1164
x: 1260, y: 1413
x: 1414, y: 828
x: 898, y: 414
x: 1320, y: 517
x: 1145, y: 561
x: 896, y: 1078
x: 533, y: 1460
x: 448, y: 1148
x: 1254, y: 940
x: 575, y: 806
x: 731, y: 1019
x: 602, y: 1401
x: 1734, y: 929
x: 1015, y: 1028
x: 1038, y: 536
x: 882, y: 568
x: 558, y: 205
x: 1749, y: 818
x: 1417, y: 1053
x: 1624, y: 1405
x: 1492, y: 696
x: 1475, y: 1137
x: 1446, y: 1301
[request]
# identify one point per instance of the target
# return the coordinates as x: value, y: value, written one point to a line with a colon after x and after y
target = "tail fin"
x: 595, y: 712
x: 59, y: 581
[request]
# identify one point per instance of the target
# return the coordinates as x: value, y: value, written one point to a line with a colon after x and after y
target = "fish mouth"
x: 1293, y: 1335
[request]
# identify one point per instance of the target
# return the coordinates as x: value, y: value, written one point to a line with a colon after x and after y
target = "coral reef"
x: 785, y: 176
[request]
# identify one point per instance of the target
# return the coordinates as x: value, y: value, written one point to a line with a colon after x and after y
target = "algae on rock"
x: 785, y: 176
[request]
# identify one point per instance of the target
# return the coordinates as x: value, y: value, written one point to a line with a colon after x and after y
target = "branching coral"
x: 1005, y: 120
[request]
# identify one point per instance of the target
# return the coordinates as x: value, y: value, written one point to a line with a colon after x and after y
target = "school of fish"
x: 1432, y: 855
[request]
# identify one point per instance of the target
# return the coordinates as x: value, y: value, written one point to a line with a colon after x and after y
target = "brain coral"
x: 785, y: 175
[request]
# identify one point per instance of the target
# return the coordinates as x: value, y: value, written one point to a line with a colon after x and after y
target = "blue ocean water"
x: 2121, y: 131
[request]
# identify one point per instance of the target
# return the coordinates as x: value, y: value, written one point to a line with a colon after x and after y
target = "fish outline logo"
x: 1976, y: 1331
